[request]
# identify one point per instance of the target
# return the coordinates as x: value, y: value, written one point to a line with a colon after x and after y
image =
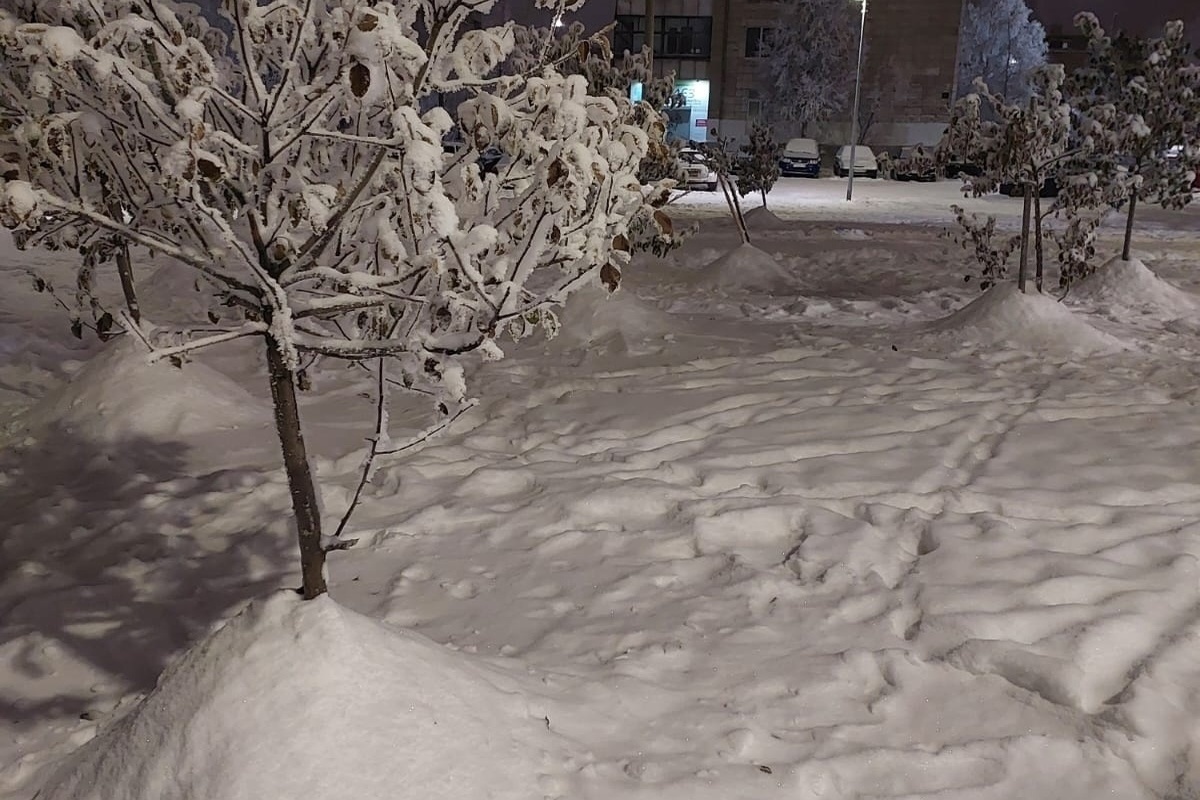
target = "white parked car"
x: 864, y: 162
x: 697, y: 174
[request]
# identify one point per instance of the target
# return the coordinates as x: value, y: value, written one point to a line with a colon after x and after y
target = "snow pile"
x: 592, y: 315
x: 296, y: 699
x: 1131, y: 285
x: 1004, y: 315
x: 119, y: 393
x: 764, y: 219
x: 177, y: 294
x: 747, y: 267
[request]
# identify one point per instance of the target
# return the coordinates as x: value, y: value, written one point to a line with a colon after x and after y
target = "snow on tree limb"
x: 295, y: 159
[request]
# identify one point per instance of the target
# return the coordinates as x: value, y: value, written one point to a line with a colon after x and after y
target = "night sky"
x: 1137, y: 16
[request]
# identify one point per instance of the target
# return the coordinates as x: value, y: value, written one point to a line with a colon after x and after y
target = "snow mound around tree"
x: 178, y: 294
x: 296, y: 699
x: 119, y: 393
x: 747, y: 267
x: 593, y: 315
x: 1005, y: 315
x: 1131, y: 284
x: 762, y: 218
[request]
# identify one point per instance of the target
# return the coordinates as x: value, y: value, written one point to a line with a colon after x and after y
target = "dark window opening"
x: 674, y: 37
x: 757, y: 40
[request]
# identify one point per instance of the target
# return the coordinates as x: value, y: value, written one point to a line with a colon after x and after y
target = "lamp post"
x: 862, y: 35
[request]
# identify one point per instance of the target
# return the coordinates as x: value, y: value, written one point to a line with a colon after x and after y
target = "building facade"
x: 713, y: 48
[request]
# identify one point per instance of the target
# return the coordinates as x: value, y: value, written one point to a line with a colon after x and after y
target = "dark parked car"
x: 1049, y: 188
x: 958, y: 165
x: 800, y: 158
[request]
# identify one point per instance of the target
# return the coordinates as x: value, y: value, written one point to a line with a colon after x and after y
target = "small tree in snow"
x: 1147, y: 93
x: 978, y: 234
x: 808, y: 60
x: 1000, y: 43
x: 299, y: 170
x: 720, y: 154
x: 758, y: 168
x: 1025, y: 144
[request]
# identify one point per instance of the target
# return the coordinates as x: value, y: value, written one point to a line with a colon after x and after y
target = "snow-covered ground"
x: 843, y: 530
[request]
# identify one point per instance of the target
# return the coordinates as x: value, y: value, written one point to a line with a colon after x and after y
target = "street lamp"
x: 862, y: 35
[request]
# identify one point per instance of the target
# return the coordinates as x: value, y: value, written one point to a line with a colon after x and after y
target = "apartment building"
x: 714, y: 49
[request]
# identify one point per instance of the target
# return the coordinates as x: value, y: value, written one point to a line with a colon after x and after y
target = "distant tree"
x: 882, y: 83
x: 808, y: 60
x: 1146, y: 93
x: 1001, y: 43
x: 758, y: 167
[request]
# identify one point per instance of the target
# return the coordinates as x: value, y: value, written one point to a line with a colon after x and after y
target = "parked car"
x: 696, y: 171
x: 915, y: 164
x: 1049, y: 188
x: 801, y: 157
x: 957, y: 166
x: 864, y: 162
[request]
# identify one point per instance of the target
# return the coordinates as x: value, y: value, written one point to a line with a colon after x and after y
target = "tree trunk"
x: 737, y: 204
x: 125, y: 272
x: 305, y: 505
x: 1126, y: 248
x: 1037, y: 238
x: 1023, y: 269
x: 734, y: 209
x: 764, y: 197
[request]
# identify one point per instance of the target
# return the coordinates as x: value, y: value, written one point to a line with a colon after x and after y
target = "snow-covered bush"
x: 292, y: 158
x: 758, y: 167
x: 1147, y: 93
x: 978, y: 233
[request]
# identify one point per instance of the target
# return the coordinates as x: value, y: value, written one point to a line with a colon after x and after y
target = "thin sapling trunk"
x: 1023, y: 268
x: 1126, y: 249
x: 125, y: 272
x: 1037, y: 239
x: 305, y: 505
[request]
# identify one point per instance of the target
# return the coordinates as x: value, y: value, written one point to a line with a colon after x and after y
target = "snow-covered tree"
x: 1147, y: 95
x: 720, y: 154
x: 297, y: 167
x: 808, y: 60
x: 575, y: 52
x: 758, y: 167
x: 1024, y: 143
x: 1001, y: 43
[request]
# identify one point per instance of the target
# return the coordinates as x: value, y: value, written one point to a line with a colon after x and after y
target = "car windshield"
x: 799, y: 147
x: 691, y: 156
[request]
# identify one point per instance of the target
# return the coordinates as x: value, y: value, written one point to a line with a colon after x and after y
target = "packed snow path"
x: 766, y: 556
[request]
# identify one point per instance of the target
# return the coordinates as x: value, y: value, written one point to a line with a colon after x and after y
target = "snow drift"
x: 1004, y: 315
x: 1131, y: 285
x: 120, y: 393
x: 747, y: 267
x: 592, y: 315
x: 763, y: 219
x: 294, y: 699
